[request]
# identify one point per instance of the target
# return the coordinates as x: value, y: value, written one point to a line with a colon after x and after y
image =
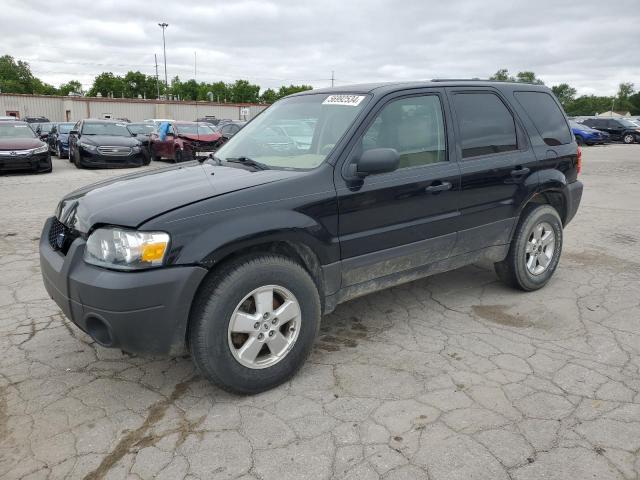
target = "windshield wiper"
x: 248, y: 161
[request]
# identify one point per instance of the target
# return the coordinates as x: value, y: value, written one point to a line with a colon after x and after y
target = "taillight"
x: 579, y: 158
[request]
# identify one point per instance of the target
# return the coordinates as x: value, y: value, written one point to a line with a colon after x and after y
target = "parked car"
x: 104, y: 143
x: 58, y: 139
x: 36, y: 120
x: 142, y: 132
x: 157, y: 121
x: 185, y: 141
x: 238, y: 257
x: 41, y: 129
x: 618, y: 128
x: 586, y: 135
x: 229, y: 129
x: 21, y: 149
x: 210, y: 119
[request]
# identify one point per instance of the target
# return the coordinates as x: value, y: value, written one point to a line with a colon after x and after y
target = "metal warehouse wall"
x: 60, y: 109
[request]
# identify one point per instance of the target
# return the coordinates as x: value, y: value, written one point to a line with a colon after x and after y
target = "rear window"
x: 547, y: 117
x: 486, y: 125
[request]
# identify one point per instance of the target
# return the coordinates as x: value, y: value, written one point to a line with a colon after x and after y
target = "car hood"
x: 19, y: 143
x: 110, y: 140
x: 133, y: 199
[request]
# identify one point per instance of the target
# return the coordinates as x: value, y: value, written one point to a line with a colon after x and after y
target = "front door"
x: 495, y: 162
x: 398, y: 221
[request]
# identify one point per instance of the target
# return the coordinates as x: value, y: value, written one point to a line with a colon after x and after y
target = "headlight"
x: 87, y: 146
x: 42, y: 149
x: 123, y: 249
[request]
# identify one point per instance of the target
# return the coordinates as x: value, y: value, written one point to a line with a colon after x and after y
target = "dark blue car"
x: 59, y: 139
x: 587, y: 135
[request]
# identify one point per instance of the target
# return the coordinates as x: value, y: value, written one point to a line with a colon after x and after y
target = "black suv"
x: 104, y: 143
x: 237, y: 258
x: 618, y: 128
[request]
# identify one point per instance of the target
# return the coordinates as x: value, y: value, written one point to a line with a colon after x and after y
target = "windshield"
x: 11, y: 130
x: 65, y: 127
x: 296, y: 132
x: 141, y: 128
x: 112, y: 129
x: 194, y: 129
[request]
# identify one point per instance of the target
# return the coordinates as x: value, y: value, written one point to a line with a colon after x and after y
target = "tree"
x: 502, y: 75
x: 291, y: 89
x: 219, y: 91
x: 107, y: 84
x: 528, y: 77
x: 244, y: 92
x: 72, y: 86
x: 269, y: 96
x: 589, y: 105
x: 16, y: 77
x: 565, y: 94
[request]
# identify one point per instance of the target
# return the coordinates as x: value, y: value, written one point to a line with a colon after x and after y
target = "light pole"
x: 164, y: 25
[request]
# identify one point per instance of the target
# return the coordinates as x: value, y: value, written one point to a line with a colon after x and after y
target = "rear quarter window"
x: 547, y: 117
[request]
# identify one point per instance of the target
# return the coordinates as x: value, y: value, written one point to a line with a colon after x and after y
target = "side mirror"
x: 73, y: 132
x: 377, y: 160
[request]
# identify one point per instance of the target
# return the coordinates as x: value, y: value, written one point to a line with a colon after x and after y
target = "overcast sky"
x: 591, y: 44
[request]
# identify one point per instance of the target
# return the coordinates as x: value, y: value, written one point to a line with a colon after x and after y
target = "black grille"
x: 60, y: 236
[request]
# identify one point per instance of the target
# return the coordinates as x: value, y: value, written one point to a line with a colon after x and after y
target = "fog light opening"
x: 99, y: 331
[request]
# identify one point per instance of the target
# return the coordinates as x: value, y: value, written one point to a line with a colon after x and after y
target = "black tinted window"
x: 546, y: 116
x: 486, y: 126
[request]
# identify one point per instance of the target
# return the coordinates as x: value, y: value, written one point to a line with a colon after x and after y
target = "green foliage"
x: 269, y: 96
x: 73, y: 86
x: 564, y: 93
x: 16, y: 77
x: 502, y: 75
x: 522, y: 77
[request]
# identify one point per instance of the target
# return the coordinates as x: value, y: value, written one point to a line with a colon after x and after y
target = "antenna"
x: 332, y: 78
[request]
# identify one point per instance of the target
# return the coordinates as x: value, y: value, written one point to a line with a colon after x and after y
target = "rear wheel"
x: 628, y: 138
x: 254, y: 322
x: 535, y: 249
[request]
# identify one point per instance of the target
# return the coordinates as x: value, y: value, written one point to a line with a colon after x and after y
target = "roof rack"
x: 462, y: 80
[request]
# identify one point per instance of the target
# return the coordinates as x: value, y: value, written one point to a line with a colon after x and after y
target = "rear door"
x: 496, y: 163
x: 398, y: 221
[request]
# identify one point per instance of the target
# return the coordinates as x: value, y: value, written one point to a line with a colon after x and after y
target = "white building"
x: 73, y: 108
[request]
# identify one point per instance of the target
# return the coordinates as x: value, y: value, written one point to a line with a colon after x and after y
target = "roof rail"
x: 462, y: 80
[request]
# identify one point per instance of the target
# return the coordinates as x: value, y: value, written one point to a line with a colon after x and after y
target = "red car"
x: 185, y: 141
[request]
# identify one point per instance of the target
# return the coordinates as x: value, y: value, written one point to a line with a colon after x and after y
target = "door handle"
x: 438, y: 187
x: 520, y: 172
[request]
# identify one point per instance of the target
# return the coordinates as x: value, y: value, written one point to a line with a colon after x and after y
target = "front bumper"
x: 40, y: 161
x: 95, y: 159
x: 139, y: 312
x: 573, y: 196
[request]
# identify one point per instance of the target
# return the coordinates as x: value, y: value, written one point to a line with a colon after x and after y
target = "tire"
x: 153, y: 155
x: 48, y: 169
x: 515, y: 269
x: 213, y: 346
x: 628, y: 138
x: 579, y: 140
x: 177, y: 156
x: 77, y: 161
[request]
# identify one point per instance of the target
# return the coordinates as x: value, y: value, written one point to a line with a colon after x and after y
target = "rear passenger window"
x: 486, y: 125
x: 546, y: 116
x: 414, y: 126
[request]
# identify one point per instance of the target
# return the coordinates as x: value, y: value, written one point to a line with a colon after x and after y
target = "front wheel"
x: 628, y: 138
x: 254, y: 322
x: 535, y: 249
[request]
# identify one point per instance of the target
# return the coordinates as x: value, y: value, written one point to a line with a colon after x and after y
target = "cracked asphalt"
x: 451, y: 377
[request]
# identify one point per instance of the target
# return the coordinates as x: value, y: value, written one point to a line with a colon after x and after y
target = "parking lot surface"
x: 451, y: 377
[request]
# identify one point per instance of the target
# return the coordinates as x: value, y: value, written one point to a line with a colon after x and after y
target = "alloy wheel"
x: 540, y: 248
x: 264, y: 327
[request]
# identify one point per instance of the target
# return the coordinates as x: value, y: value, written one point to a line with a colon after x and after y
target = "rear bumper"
x: 572, y: 197
x: 140, y: 312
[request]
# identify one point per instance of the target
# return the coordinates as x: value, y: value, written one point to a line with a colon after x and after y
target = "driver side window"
x: 413, y: 126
